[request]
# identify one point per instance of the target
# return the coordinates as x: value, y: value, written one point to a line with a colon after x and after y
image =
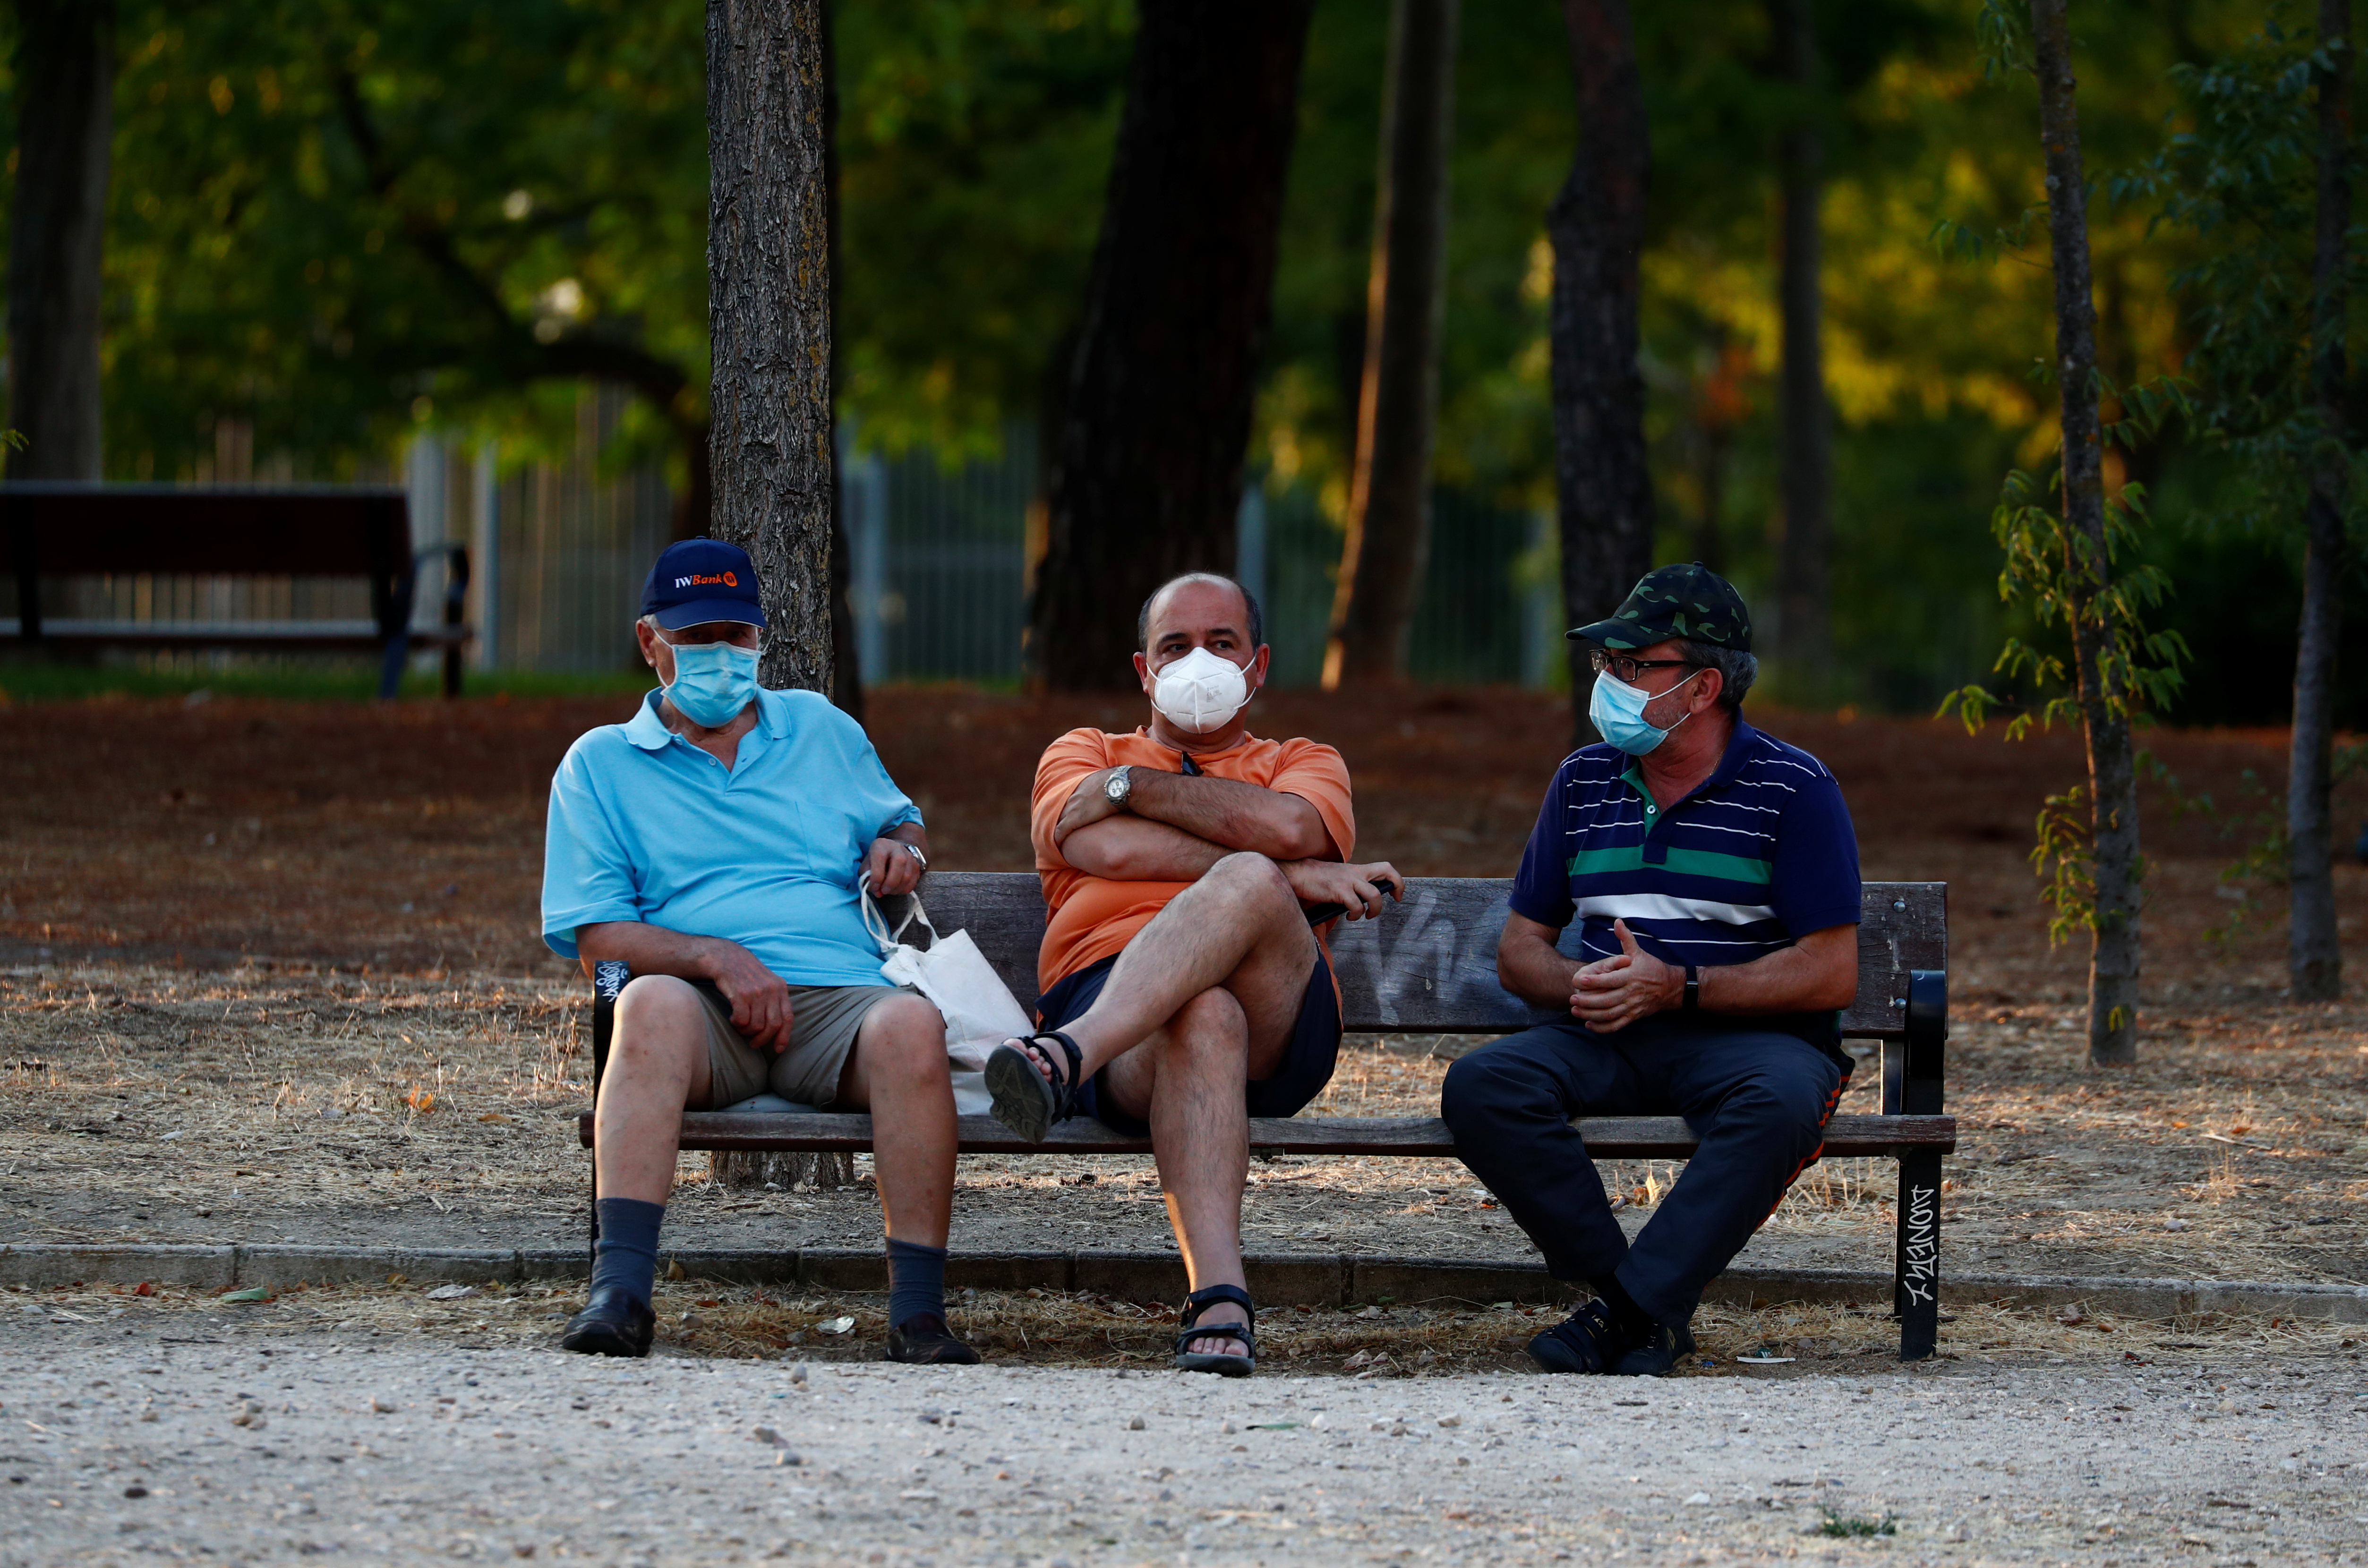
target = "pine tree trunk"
x: 1597, y: 228
x: 66, y: 119
x: 769, y: 316
x: 1804, y: 593
x: 1146, y: 473
x: 2314, y: 959
x: 1397, y: 406
x: 2113, y: 771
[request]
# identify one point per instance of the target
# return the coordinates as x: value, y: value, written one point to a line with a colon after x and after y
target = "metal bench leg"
x: 1916, y: 1268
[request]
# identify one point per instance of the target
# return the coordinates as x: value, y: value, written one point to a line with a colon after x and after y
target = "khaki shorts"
x: 822, y: 1024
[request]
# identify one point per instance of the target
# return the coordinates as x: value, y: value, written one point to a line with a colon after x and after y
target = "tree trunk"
x: 2112, y: 773
x: 846, y: 668
x: 2313, y: 959
x: 1804, y: 593
x: 1146, y: 473
x: 1397, y: 404
x: 1596, y: 227
x: 66, y: 119
x: 768, y: 316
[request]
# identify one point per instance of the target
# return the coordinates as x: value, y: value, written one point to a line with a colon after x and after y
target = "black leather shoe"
x: 611, y: 1323
x: 926, y: 1340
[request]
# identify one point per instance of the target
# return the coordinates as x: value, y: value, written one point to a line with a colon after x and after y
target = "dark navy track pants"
x: 1758, y: 1099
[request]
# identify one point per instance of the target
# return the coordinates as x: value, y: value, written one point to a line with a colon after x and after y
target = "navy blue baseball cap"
x: 698, y: 580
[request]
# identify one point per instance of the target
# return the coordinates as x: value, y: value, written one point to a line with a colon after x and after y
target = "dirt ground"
x: 275, y: 977
x: 379, y: 1424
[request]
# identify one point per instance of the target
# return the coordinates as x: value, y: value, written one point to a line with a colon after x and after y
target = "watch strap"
x: 1693, y: 989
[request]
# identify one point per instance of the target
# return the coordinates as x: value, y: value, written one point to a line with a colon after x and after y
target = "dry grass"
x: 1051, y: 1328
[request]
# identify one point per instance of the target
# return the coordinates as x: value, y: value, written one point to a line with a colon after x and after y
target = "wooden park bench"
x: 56, y: 529
x: 1428, y: 966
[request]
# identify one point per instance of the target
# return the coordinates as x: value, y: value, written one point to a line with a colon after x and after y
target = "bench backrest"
x: 1428, y: 965
x: 345, y: 530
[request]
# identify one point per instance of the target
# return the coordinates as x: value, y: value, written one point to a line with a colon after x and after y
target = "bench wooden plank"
x: 1428, y: 965
x: 1621, y: 1137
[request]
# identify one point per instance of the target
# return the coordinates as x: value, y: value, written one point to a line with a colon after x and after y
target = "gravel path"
x: 192, y: 1438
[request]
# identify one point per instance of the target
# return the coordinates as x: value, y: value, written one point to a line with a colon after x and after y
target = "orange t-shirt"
x: 1095, y: 916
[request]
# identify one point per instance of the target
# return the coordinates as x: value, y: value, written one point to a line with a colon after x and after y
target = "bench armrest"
x: 1914, y: 1067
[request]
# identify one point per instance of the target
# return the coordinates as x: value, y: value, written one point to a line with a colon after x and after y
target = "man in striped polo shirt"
x: 1714, y: 874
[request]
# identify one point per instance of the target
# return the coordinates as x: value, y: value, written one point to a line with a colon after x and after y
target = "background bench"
x: 1428, y: 966
x: 61, y: 530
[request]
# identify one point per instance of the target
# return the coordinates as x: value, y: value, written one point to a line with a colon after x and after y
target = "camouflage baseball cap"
x: 1692, y: 602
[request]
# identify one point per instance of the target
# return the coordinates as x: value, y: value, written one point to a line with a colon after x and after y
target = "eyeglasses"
x: 1626, y: 669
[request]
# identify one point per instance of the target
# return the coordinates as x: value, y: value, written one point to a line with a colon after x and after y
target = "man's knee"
x: 658, y: 1017
x: 905, y: 1035
x: 1251, y: 878
x: 1475, y: 1088
x: 1212, y: 1021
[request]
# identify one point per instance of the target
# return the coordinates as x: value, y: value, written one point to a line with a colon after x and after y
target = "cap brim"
x: 699, y: 612
x: 1610, y: 633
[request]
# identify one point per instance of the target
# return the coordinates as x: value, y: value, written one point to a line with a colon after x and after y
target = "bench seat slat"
x: 1621, y: 1137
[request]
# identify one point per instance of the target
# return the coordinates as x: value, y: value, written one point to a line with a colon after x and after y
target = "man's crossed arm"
x: 1175, y: 826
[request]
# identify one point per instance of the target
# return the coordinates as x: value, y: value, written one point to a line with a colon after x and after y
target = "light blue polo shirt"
x: 645, y: 826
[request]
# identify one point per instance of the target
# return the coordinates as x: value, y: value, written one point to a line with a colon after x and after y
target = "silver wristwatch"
x: 1119, y: 785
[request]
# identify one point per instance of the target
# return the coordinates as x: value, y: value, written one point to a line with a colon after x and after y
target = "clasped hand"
x: 1610, y: 994
x: 1357, y: 888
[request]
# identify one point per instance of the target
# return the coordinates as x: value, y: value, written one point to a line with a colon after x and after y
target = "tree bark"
x: 1597, y: 228
x: 1803, y: 592
x: 769, y: 316
x: 2113, y: 772
x: 846, y: 668
x: 1146, y: 473
x: 1397, y: 404
x: 65, y: 120
x: 2314, y: 958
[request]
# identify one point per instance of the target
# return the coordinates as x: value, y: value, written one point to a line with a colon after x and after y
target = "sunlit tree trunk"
x: 1146, y: 473
x: 1804, y: 570
x: 66, y: 117
x: 1397, y: 406
x: 2314, y: 959
x: 2112, y: 773
x: 846, y: 671
x: 1597, y: 228
x: 768, y: 280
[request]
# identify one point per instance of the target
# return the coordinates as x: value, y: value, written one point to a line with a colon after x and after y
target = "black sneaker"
x: 1586, y: 1341
x: 1657, y: 1354
x: 611, y: 1323
x: 926, y: 1340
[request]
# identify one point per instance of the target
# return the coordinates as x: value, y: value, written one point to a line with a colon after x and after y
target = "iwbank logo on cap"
x: 700, y: 580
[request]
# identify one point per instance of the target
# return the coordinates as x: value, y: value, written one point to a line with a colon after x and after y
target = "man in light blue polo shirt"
x: 713, y: 841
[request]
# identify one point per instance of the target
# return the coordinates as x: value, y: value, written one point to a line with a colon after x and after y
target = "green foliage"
x: 1852, y: 1526
x: 2058, y: 574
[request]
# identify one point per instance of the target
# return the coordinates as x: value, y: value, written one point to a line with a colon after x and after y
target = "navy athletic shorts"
x: 1307, y: 1061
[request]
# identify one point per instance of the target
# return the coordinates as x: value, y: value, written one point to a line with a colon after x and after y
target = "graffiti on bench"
x: 1919, y: 1252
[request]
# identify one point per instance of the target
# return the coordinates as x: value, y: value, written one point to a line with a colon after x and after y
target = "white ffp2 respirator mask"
x: 1200, y: 691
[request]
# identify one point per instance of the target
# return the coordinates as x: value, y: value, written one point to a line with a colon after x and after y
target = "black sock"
x: 917, y: 1281
x: 1633, y: 1321
x: 627, y: 1256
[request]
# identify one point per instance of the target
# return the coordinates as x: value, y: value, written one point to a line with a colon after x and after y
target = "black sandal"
x: 1025, y: 1101
x: 1198, y: 1301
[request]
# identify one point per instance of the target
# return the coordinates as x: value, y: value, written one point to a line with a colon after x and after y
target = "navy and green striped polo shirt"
x: 1759, y: 852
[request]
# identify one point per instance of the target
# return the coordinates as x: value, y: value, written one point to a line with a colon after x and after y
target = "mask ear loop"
x: 1671, y: 692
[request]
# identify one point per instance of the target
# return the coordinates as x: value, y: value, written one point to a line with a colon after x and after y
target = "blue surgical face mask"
x: 1618, y: 712
x: 713, y: 682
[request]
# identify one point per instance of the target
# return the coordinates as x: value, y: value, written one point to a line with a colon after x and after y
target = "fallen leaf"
x: 451, y: 1292
x: 489, y: 1116
x: 836, y: 1326
x: 259, y: 1293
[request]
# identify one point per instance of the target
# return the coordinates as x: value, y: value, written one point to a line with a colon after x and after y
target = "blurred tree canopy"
x: 336, y: 220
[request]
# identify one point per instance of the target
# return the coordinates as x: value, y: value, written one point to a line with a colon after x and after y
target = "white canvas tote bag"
x: 979, y: 1009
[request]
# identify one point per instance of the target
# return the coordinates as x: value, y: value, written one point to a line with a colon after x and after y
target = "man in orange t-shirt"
x: 1184, y: 988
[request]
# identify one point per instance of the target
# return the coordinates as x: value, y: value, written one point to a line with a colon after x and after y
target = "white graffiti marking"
x: 1921, y: 1249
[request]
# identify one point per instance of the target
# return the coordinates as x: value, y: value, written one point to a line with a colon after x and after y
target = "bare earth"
x: 356, y: 1426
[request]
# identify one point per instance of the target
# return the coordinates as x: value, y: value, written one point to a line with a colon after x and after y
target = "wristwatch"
x: 1693, y: 989
x: 914, y: 851
x: 1120, y: 786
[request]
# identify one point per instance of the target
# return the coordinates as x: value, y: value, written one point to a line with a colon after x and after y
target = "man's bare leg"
x: 1203, y: 1000
x: 1240, y: 927
x: 898, y: 1072
x: 657, y: 1067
